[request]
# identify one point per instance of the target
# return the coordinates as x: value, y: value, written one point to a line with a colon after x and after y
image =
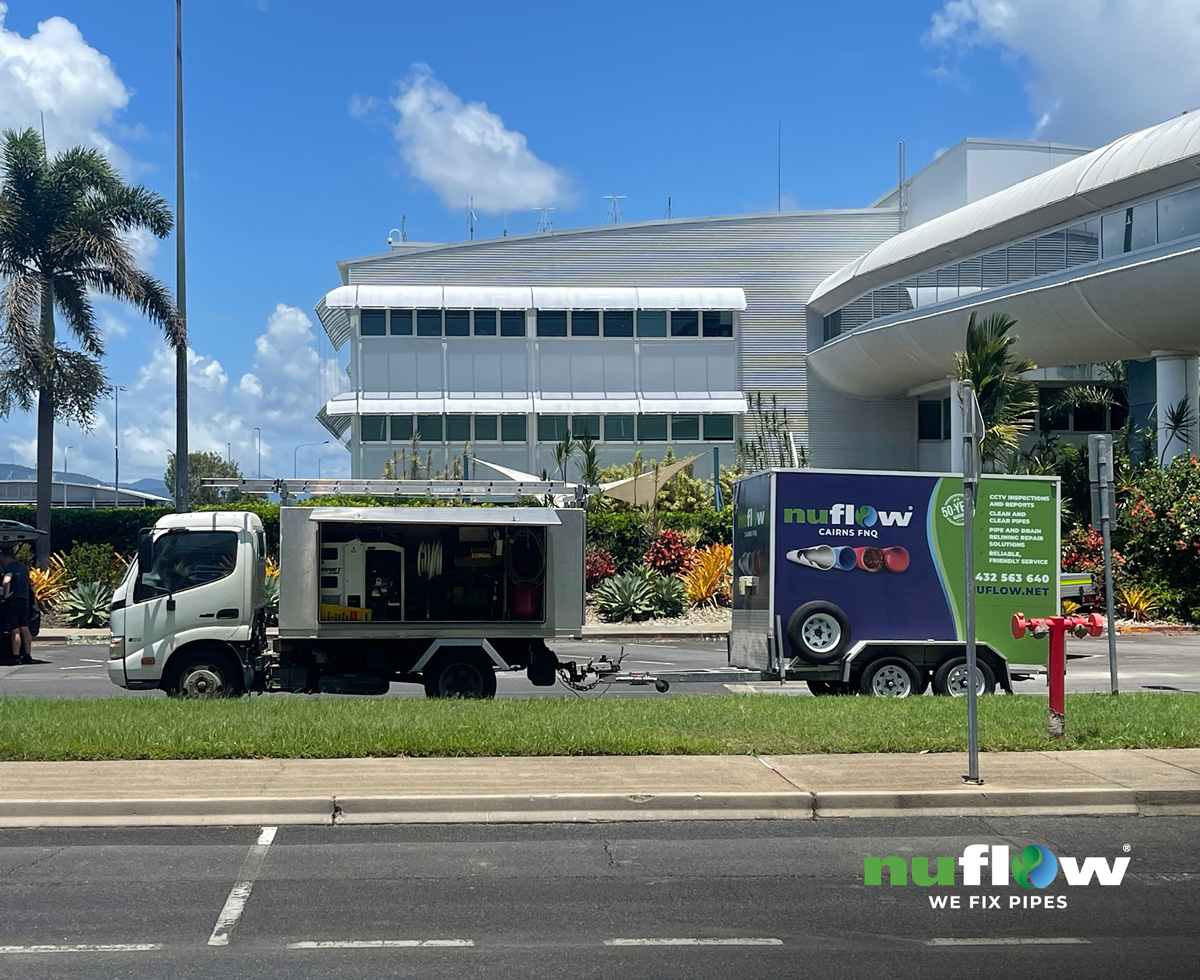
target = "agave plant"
x: 272, y: 608
x: 670, y: 595
x: 625, y: 598
x: 709, y: 578
x: 86, y: 605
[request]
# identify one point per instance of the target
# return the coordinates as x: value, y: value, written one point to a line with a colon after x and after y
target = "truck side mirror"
x: 145, y: 543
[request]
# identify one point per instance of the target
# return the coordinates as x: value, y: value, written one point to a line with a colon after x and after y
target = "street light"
x: 65, y: 448
x: 116, y: 390
x: 303, y: 445
x: 320, y: 460
x: 259, y: 443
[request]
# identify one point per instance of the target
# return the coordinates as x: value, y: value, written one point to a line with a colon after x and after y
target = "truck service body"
x: 442, y: 596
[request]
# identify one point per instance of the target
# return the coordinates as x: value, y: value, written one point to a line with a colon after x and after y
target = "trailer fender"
x: 460, y: 641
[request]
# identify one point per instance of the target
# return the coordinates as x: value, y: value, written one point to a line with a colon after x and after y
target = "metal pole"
x: 1106, y: 530
x: 971, y: 464
x: 65, y: 448
x: 717, y: 477
x: 181, y: 380
x: 116, y: 446
x: 258, y: 443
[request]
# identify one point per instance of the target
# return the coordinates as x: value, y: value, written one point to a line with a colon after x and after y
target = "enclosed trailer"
x: 855, y: 581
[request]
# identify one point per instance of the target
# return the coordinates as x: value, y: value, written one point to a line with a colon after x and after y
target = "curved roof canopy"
x: 1136, y: 165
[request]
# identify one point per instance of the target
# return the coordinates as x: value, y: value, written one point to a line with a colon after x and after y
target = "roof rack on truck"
x: 473, y: 489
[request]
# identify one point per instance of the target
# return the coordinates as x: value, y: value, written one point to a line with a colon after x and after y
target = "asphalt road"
x: 765, y: 899
x: 1147, y: 662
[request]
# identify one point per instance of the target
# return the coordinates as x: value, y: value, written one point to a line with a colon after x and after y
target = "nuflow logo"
x: 1032, y: 867
x: 863, y: 515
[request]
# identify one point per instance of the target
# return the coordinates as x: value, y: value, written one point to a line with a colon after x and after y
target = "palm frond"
x: 71, y: 297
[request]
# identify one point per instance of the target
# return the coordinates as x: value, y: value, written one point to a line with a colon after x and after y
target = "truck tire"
x: 818, y: 633
x: 950, y: 679
x: 460, y: 673
x: 209, y: 672
x: 890, y: 677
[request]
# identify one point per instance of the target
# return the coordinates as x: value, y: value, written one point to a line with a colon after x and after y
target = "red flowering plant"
x: 598, y: 566
x: 670, y: 554
x: 1083, y: 551
x: 1158, y: 528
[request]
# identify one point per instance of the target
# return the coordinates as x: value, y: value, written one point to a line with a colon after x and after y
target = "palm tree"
x: 61, y: 227
x: 1007, y: 399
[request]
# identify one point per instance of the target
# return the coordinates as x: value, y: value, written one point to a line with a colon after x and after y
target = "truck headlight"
x: 116, y: 648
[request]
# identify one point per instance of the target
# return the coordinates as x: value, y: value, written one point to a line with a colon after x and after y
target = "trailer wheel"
x: 890, y: 677
x: 460, y: 673
x: 818, y: 632
x: 951, y: 678
x: 207, y: 673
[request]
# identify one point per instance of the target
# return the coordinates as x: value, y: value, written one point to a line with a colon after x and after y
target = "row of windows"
x: 933, y: 417
x: 550, y: 323
x: 550, y: 428
x: 1130, y: 229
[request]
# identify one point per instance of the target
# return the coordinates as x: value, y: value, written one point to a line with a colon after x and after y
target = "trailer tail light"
x: 116, y: 648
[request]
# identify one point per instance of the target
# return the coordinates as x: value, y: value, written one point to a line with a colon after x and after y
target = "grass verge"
x: 158, y: 728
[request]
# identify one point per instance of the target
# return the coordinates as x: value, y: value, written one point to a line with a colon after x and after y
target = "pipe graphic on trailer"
x: 870, y: 559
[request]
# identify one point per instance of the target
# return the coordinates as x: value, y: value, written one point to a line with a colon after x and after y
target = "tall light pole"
x: 303, y: 445
x: 258, y: 432
x: 181, y: 381
x: 65, y: 448
x: 228, y: 452
x: 116, y: 390
x: 320, y: 460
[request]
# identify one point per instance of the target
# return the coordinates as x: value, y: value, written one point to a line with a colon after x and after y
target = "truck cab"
x: 189, y: 616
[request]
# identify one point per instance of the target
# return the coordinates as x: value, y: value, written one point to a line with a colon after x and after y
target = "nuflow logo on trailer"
x: 1033, y: 868
x: 863, y: 515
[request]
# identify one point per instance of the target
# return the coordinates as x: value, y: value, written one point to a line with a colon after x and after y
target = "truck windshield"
x: 187, y: 560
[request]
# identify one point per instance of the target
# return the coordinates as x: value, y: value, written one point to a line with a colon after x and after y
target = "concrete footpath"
x: 559, y: 789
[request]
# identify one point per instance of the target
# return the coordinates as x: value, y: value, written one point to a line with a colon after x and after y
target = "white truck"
x: 438, y: 596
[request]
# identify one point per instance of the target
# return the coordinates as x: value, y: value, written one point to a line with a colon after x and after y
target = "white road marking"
x: 655, y: 663
x: 382, y: 944
x: 84, y: 948
x: 693, y: 942
x: 235, y: 904
x: 1011, y: 941
x: 80, y: 667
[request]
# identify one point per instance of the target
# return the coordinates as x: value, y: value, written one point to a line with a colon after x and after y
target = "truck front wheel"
x: 207, y: 673
x: 460, y: 674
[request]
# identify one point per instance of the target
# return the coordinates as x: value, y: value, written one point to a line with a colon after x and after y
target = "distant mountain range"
x: 14, y: 471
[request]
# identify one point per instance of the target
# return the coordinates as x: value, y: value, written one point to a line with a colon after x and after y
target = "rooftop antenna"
x: 505, y: 234
x: 614, y: 208
x: 902, y: 189
x: 669, y: 215
x: 471, y: 219
x: 403, y: 230
x: 545, y: 225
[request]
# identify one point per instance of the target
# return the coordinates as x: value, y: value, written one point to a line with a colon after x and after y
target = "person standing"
x: 16, y: 605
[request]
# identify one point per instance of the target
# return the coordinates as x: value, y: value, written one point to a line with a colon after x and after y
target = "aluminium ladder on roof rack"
x: 475, y: 489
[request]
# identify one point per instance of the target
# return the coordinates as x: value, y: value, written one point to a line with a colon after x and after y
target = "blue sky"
x: 312, y: 125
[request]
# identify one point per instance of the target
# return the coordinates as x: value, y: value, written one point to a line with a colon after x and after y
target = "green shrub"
x: 116, y: 528
x: 624, y: 534
x: 625, y: 598
x: 86, y: 605
x: 89, y: 562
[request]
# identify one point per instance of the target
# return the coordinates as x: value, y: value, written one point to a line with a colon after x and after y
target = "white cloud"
x: 361, y: 105
x: 463, y: 150
x: 57, y: 72
x: 1094, y: 69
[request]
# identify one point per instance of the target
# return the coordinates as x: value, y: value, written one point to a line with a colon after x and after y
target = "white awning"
x: 487, y: 297
x: 689, y: 403
x: 584, y: 298
x: 567, y: 405
x: 692, y: 403
x: 536, y: 297
x: 535, y: 516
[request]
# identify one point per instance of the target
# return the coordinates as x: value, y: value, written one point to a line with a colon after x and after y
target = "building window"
x: 929, y: 421
x: 512, y: 428
x: 618, y: 323
x: 833, y: 326
x: 551, y: 428
x: 718, y: 428
x: 718, y: 323
x: 585, y: 323
x: 429, y: 428
x: 585, y: 426
x: 372, y: 428
x: 486, y: 428
x: 652, y: 323
x: 652, y: 428
x: 372, y: 323
x: 685, y: 428
x: 485, y: 323
x: 429, y: 323
x: 551, y: 323
x: 618, y: 428
x: 401, y: 323
x: 458, y: 323
x: 1179, y: 215
x: 402, y: 428
x: 1130, y: 229
x: 458, y: 428
x: 945, y: 418
x: 1090, y: 418
x: 685, y: 323
x: 512, y: 323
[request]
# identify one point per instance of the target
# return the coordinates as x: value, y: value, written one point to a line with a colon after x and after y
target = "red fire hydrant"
x: 1056, y: 666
